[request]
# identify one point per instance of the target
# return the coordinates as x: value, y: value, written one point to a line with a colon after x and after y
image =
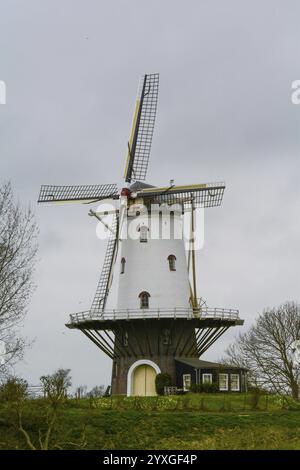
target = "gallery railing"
x: 145, y: 313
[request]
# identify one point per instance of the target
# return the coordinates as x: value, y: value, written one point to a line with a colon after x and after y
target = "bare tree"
x: 56, y: 386
x: 18, y: 248
x: 266, y: 350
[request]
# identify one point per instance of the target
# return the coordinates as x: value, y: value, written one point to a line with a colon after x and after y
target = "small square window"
x: 166, y: 337
x: 172, y: 262
x: 123, y: 262
x: 223, y: 382
x: 206, y: 378
x: 144, y: 299
x: 125, y: 339
x: 187, y: 381
x: 234, y: 382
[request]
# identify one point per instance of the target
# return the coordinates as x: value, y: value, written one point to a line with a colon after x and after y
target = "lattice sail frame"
x: 202, y: 195
x: 105, y: 280
x: 142, y: 129
x: 49, y: 193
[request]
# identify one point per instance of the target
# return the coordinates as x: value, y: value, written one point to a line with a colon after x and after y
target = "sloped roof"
x: 199, y: 364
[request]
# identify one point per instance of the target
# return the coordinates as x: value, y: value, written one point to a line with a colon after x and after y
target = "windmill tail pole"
x: 195, y: 302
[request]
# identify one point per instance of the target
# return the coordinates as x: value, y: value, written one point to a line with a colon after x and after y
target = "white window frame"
x: 204, y: 376
x: 238, y: 383
x: 224, y: 389
x: 184, y: 377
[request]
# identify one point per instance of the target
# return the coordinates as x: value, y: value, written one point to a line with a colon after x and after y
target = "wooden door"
x: 144, y: 381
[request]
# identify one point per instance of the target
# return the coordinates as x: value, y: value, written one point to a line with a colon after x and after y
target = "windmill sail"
x: 107, y: 269
x: 202, y: 195
x: 142, y: 129
x: 81, y: 193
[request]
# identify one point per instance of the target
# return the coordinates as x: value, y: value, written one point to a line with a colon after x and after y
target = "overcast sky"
x: 72, y: 67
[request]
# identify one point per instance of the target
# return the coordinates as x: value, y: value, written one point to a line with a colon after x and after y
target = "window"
x: 144, y: 299
x: 143, y: 234
x: 125, y: 339
x: 172, y: 228
x: 172, y: 262
x: 123, y: 262
x: 166, y: 337
x: 187, y: 381
x: 223, y: 382
x: 234, y: 382
x: 206, y: 378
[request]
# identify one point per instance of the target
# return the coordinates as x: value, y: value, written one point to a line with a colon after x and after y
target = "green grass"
x: 138, y: 424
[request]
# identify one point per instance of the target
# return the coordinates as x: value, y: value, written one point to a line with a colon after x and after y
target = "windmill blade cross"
x: 81, y: 193
x: 139, y: 146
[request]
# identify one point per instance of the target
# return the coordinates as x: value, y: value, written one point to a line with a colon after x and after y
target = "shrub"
x: 209, y: 387
x: 195, y: 388
x: 162, y: 381
x: 292, y: 404
x: 14, y: 390
x: 204, y: 388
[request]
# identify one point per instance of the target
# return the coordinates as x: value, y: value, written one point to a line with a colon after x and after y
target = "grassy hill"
x: 203, y: 421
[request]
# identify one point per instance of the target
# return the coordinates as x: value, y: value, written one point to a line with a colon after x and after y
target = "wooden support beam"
x: 186, y: 344
x: 194, y: 348
x: 215, y: 338
x: 113, y: 341
x: 202, y: 343
x: 107, y: 345
x: 96, y: 342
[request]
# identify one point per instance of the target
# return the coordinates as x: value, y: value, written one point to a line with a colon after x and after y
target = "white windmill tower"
x: 153, y: 315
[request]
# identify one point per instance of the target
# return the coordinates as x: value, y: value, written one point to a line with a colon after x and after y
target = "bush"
x: 14, y: 390
x: 204, y: 388
x: 195, y: 388
x: 137, y: 403
x: 162, y: 381
x: 210, y: 388
x: 291, y: 404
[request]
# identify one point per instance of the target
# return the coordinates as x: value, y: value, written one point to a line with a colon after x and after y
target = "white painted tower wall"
x: 147, y: 267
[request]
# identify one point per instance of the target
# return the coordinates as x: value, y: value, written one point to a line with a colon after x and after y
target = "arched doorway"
x: 144, y: 381
x: 141, y: 378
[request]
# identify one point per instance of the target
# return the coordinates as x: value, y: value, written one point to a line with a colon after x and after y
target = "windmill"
x: 155, y: 315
